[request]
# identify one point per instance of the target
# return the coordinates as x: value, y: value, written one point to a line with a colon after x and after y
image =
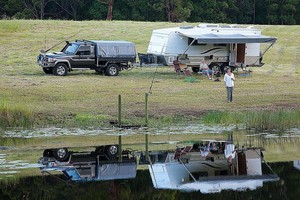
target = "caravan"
x: 217, y: 45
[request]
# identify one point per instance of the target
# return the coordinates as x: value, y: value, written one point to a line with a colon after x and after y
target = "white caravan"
x: 217, y: 45
x: 209, y: 166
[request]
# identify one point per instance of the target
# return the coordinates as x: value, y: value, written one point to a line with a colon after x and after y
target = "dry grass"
x: 272, y: 87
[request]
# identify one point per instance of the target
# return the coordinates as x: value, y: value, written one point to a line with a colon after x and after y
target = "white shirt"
x: 203, y: 66
x: 229, y: 80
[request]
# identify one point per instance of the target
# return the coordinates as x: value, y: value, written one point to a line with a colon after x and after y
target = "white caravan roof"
x: 212, y: 33
x: 213, y: 38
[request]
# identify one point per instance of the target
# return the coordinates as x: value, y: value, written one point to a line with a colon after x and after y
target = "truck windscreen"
x: 71, y: 49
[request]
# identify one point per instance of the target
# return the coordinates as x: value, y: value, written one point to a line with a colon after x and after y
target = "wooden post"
x: 119, y: 123
x: 146, y: 123
x: 119, y: 111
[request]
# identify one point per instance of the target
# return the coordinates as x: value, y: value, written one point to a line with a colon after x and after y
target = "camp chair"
x: 187, y: 72
x: 181, y: 69
x: 179, y: 152
x: 177, y: 67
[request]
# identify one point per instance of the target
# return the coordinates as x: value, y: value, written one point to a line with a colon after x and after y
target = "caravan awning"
x: 230, y: 38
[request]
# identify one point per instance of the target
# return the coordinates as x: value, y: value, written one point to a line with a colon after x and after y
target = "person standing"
x: 229, y: 83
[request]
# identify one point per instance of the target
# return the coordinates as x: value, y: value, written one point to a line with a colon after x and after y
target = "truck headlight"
x: 51, y: 59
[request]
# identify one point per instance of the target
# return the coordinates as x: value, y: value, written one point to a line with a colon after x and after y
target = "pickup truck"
x: 107, y: 57
x: 98, y: 165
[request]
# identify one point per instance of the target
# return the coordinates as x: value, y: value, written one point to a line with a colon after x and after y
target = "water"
x: 56, y: 187
x: 21, y: 178
x: 57, y: 131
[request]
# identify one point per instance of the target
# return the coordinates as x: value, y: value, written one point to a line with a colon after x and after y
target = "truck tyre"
x: 48, y: 70
x: 112, y: 151
x: 61, y: 154
x: 60, y: 69
x: 112, y: 70
x: 196, y: 69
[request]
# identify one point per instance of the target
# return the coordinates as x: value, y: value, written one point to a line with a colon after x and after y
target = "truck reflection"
x: 101, y: 164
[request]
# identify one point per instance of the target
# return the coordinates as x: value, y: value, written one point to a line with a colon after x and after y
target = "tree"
x: 287, y: 12
x: 71, y: 7
x: 37, y: 7
x: 110, y: 4
x: 178, y: 10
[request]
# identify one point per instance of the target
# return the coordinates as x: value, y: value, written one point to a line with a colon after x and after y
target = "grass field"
x: 85, y: 98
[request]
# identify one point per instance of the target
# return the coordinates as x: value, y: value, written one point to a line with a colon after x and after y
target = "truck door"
x: 84, y: 58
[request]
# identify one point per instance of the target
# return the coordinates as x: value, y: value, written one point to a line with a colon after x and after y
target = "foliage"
x: 15, y: 116
x: 260, y: 120
x: 213, y: 11
x: 191, y: 79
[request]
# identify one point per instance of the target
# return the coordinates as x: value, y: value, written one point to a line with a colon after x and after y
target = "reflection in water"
x: 190, y: 129
x: 297, y: 164
x: 218, y: 186
x: 56, y: 187
x: 56, y: 131
x: 9, y: 168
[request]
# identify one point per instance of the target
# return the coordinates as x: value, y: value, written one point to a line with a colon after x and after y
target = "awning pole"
x: 186, y: 49
x: 187, y: 170
x: 265, y: 51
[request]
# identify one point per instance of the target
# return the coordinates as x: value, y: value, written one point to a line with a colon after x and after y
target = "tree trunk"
x: 168, y: 9
x: 110, y: 10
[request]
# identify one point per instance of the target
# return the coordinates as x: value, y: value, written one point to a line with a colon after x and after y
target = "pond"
x: 56, y: 187
x: 21, y: 178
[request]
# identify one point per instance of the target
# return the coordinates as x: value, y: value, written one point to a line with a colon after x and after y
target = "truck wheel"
x: 60, y: 69
x: 48, y: 70
x: 195, y: 69
x: 61, y: 154
x: 112, y: 70
x: 111, y: 151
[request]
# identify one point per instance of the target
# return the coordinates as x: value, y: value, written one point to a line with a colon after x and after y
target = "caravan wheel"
x: 215, y: 67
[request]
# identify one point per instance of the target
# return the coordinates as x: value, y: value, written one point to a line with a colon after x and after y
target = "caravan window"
x: 190, y: 40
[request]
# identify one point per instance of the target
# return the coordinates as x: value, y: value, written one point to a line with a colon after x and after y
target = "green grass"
x: 91, y: 99
x: 15, y: 116
x: 260, y: 120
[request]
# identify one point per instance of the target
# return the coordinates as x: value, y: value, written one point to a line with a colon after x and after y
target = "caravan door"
x: 241, y: 50
x: 237, y: 54
x: 232, y: 54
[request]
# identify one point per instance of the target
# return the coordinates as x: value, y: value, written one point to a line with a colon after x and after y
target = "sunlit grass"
x: 259, y: 120
x: 81, y: 97
x: 15, y: 115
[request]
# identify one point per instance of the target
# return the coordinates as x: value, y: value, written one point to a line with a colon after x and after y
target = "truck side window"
x: 84, y: 50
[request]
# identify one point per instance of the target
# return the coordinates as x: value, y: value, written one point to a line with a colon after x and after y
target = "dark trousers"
x: 229, y: 93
